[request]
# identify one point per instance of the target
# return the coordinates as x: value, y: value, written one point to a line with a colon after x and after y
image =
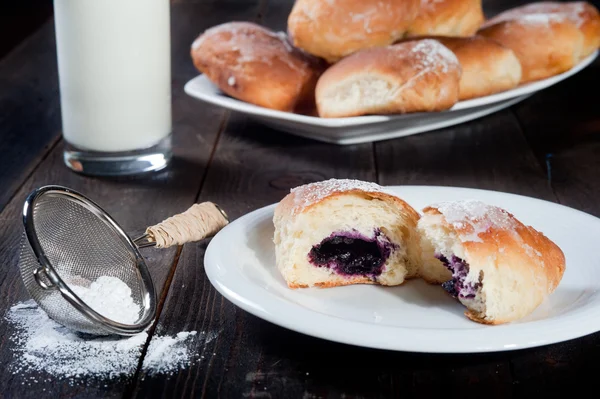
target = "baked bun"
x: 336, y: 28
x: 255, y: 65
x: 583, y: 14
x: 500, y: 269
x: 416, y: 76
x: 447, y: 18
x: 487, y: 66
x: 545, y: 44
x: 340, y: 232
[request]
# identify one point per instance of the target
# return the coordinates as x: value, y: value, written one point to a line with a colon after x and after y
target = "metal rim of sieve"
x: 46, y: 268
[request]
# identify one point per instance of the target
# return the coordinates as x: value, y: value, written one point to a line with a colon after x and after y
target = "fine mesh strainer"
x: 69, y: 239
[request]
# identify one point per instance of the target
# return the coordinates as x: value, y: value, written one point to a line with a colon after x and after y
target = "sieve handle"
x: 198, y: 222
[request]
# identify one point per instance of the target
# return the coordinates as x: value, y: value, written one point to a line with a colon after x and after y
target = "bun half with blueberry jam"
x: 340, y: 232
x: 496, y: 266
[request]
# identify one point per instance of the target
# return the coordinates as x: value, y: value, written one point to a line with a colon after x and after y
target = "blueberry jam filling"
x: 457, y: 286
x: 352, y: 254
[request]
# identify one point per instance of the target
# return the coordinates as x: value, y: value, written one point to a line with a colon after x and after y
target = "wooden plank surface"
x: 565, y: 135
x: 30, y: 118
x: 133, y: 202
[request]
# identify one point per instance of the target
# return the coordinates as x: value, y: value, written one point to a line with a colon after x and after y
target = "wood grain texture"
x: 565, y: 135
x: 30, y: 118
x: 488, y: 153
x: 134, y: 202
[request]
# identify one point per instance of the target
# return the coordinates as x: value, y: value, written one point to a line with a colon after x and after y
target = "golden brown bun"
x: 447, y: 18
x: 333, y: 29
x: 544, y: 45
x: 311, y: 214
x: 416, y: 76
x: 487, y: 66
x: 256, y: 65
x: 583, y: 14
x: 511, y: 267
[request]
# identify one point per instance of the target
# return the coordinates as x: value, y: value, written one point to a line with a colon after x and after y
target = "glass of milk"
x: 114, y: 67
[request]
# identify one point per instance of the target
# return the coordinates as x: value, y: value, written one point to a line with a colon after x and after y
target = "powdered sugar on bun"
x: 546, y: 43
x: 475, y: 217
x: 456, y: 18
x: 252, y: 46
x: 417, y: 76
x: 334, y: 29
x: 496, y: 266
x: 311, y: 193
x: 581, y: 14
x: 254, y: 64
x: 344, y: 231
x: 431, y: 54
x: 545, y: 12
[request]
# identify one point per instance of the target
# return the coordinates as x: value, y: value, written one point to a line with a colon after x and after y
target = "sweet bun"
x: 256, y: 65
x: 583, y: 14
x: 447, y: 18
x: 334, y: 29
x: 545, y: 44
x: 416, y: 76
x: 340, y: 232
x: 487, y: 66
x: 500, y: 269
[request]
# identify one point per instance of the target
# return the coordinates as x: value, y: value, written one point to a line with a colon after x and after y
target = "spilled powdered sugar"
x: 42, y: 345
x: 311, y: 193
x: 480, y: 216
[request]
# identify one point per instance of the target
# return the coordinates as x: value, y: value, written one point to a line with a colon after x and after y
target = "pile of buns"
x: 342, y: 232
x: 342, y: 58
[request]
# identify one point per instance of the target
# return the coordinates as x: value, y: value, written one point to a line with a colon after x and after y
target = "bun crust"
x: 256, y: 65
x: 311, y: 214
x: 511, y: 267
x: 334, y: 29
x: 487, y: 66
x: 447, y: 18
x: 583, y: 14
x: 416, y: 76
x: 545, y: 44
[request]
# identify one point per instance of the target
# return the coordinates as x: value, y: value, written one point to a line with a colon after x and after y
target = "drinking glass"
x: 114, y: 68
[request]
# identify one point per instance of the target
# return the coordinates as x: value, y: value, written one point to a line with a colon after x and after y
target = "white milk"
x: 114, y: 66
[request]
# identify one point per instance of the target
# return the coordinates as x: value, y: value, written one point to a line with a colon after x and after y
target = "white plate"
x: 373, y: 127
x: 417, y: 317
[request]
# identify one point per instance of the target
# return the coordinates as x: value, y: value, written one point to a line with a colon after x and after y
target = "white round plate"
x: 415, y: 316
x: 370, y: 128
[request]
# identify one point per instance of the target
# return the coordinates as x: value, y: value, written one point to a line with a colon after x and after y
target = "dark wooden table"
x: 547, y: 147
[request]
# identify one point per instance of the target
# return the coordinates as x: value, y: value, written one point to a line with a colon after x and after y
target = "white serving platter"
x: 371, y: 128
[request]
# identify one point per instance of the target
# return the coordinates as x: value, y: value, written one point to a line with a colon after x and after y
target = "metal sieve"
x: 69, y: 240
